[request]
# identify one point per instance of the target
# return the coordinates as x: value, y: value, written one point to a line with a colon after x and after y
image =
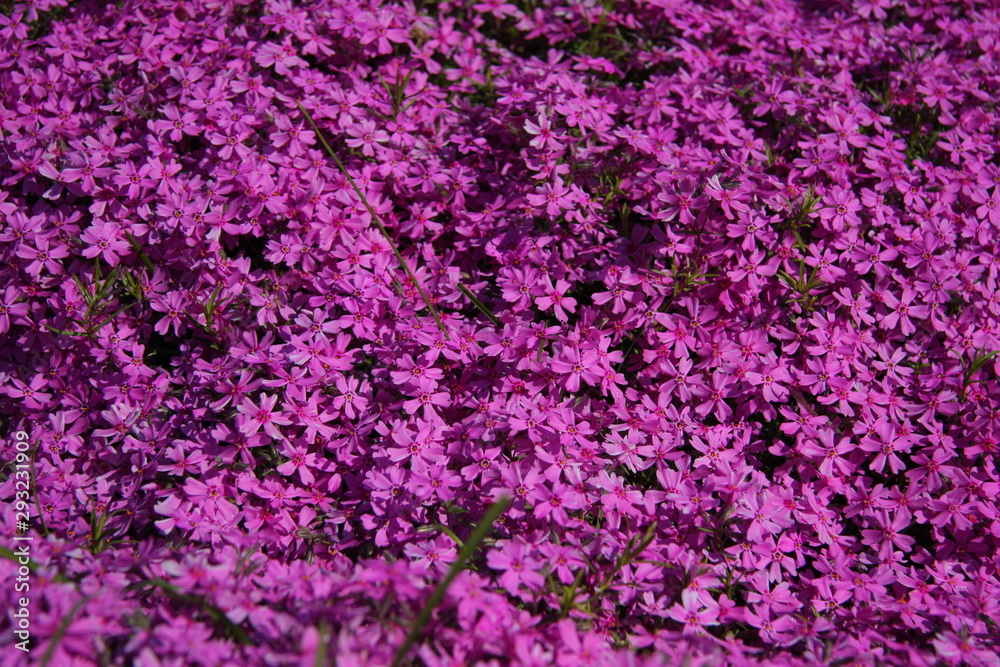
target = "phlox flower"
x: 554, y: 297
x: 43, y: 256
x: 438, y: 553
x: 512, y: 557
x: 616, y: 499
x: 173, y: 308
x: 366, y: 136
x: 775, y: 628
x: 379, y: 29
x: 554, y: 196
x: 887, y: 445
x: 729, y: 198
x: 498, y: 8
x: 11, y: 307
x: 262, y: 416
x: 283, y: 57
x: 964, y: 649
x: 300, y: 461
x: 770, y: 381
x: 887, y: 535
x: 32, y: 394
x: 575, y: 365
x: 121, y: 417
x: 693, y: 613
x: 754, y: 269
x: 842, y: 210
x: 764, y: 515
x: 902, y: 310
x: 426, y: 398
x: 432, y: 481
x: 104, y: 239
x: 544, y: 136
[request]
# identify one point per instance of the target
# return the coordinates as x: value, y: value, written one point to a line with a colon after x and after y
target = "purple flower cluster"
x: 706, y: 291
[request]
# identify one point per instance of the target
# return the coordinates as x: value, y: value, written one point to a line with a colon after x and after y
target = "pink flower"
x: 765, y: 516
x: 888, y: 534
x: 554, y: 297
x: 43, y: 256
x: 770, y: 383
x: 555, y: 197
x: 366, y: 136
x: 842, y: 211
x: 10, y: 307
x: 426, y: 398
x: 574, y: 365
x: 104, y: 239
x: 256, y: 417
x: 544, y: 136
x: 616, y: 498
x: 519, y: 569
x: 693, y: 613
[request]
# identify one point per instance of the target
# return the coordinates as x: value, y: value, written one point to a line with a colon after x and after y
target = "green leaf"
x: 84, y: 292
x: 138, y: 248
x: 63, y: 333
x: 569, y: 594
x: 14, y: 558
x: 118, y: 312
x: 982, y: 360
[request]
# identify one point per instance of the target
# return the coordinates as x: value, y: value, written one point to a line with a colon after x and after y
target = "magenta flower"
x: 575, y: 365
x: 554, y: 297
x: 43, y: 256
x: 555, y: 197
x: 770, y: 383
x: 262, y: 416
x: 517, y: 566
x: 426, y: 398
x: 766, y: 517
x: 887, y: 535
x: 709, y: 289
x: 544, y: 137
x: 616, y: 499
x: 10, y: 307
x: 104, y: 239
x: 692, y: 612
x: 32, y: 394
x: 365, y: 136
x: 886, y: 447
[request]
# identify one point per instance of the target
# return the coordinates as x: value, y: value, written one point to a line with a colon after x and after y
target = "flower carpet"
x: 350, y: 332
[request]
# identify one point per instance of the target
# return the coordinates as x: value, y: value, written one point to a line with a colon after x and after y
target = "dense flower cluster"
x: 707, y: 291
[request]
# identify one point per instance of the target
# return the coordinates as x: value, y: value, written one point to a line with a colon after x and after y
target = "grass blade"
x: 378, y: 221
x: 60, y: 631
x: 322, y: 648
x: 138, y: 248
x: 480, y: 305
x: 228, y: 628
x: 479, y: 533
